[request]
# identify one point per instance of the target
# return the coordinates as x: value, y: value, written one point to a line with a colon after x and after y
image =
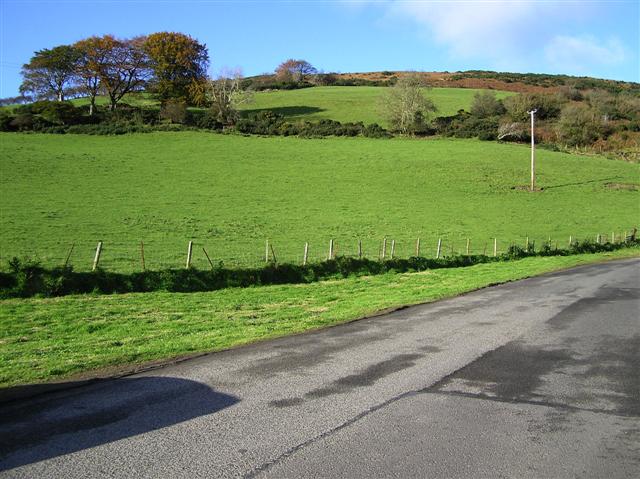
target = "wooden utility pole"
x: 533, y: 150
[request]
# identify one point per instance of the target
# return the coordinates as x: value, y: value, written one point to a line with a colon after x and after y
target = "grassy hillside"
x: 341, y: 103
x: 352, y: 104
x: 57, y: 337
x: 229, y: 193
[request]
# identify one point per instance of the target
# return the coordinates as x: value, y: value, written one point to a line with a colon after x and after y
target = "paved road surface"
x: 538, y: 378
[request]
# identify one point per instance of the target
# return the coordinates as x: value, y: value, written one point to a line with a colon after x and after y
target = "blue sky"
x: 595, y: 38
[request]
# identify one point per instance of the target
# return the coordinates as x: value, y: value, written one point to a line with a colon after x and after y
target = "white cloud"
x: 578, y: 53
x: 480, y: 29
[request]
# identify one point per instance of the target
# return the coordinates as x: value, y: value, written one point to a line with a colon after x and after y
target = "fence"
x: 156, y: 255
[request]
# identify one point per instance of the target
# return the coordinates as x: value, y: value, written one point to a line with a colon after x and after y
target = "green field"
x: 352, y: 104
x: 229, y: 193
x: 57, y: 337
x: 341, y: 103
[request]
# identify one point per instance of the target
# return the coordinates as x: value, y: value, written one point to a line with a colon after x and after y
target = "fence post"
x: 208, y: 259
x: 570, y: 241
x: 526, y: 245
x: 331, y: 249
x: 599, y: 238
x: 418, y: 248
x: 142, y: 255
x: 468, y: 245
x: 66, y: 261
x: 495, y: 247
x: 273, y: 254
x: 306, y: 254
x: 393, y: 248
x: 266, y: 251
x: 96, y: 258
x: 359, y: 249
x: 189, y: 254
x: 384, y: 248
x: 439, y: 250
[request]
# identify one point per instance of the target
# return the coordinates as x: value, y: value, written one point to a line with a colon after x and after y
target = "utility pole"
x: 533, y: 150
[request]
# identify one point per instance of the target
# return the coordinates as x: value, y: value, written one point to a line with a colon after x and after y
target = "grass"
x: 352, y: 104
x: 51, y: 339
x: 228, y: 193
x: 341, y: 103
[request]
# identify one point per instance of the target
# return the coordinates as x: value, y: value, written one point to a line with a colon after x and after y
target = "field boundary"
x: 28, y: 279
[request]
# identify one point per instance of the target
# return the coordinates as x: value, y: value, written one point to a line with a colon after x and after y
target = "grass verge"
x: 52, y: 339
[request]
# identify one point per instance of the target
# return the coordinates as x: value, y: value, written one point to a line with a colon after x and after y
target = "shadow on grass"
x: 581, y: 183
x: 32, y: 430
x: 285, y: 111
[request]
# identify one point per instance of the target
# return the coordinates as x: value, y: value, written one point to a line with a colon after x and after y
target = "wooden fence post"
x: 468, y: 245
x: 142, y: 255
x: 384, y: 248
x: 570, y: 241
x: 266, y: 251
x: 359, y: 249
x: 418, y: 248
x: 598, y: 239
x: 306, y: 254
x: 439, y: 250
x: 495, y: 247
x: 526, y: 245
x: 66, y: 261
x: 189, y: 254
x: 96, y: 258
x: 393, y: 248
x: 208, y: 259
x: 331, y: 249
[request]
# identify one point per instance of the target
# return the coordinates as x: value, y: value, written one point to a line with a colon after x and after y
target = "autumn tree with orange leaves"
x: 179, y: 65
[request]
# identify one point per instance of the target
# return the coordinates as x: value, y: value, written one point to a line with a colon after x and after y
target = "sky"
x: 584, y: 38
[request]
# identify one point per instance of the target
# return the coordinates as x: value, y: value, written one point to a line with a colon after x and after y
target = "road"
x: 536, y: 378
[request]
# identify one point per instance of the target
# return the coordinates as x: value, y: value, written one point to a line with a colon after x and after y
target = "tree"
x: 114, y: 66
x: 93, y: 54
x: 485, y: 105
x: 295, y: 70
x: 226, y: 95
x: 179, y: 65
x: 406, y: 107
x: 49, y: 72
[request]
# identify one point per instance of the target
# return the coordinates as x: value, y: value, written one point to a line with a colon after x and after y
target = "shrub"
x: 547, y: 106
x: 579, y: 125
x: 174, y: 111
x: 486, y: 104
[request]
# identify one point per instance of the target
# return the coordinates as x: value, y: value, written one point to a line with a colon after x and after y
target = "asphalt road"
x: 537, y: 378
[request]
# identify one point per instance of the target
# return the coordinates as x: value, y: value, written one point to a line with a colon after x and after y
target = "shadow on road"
x: 62, y: 423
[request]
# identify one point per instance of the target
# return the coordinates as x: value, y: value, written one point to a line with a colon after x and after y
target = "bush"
x: 547, y: 106
x: 208, y: 121
x: 5, y: 121
x: 486, y: 105
x: 579, y: 125
x: 174, y: 111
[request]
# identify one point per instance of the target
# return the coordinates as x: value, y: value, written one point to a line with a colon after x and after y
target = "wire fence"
x: 159, y: 254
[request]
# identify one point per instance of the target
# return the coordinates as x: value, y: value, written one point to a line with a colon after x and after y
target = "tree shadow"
x: 285, y: 111
x: 99, y: 414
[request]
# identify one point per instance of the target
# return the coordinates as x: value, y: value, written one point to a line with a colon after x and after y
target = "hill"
x: 351, y: 104
x: 229, y: 193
